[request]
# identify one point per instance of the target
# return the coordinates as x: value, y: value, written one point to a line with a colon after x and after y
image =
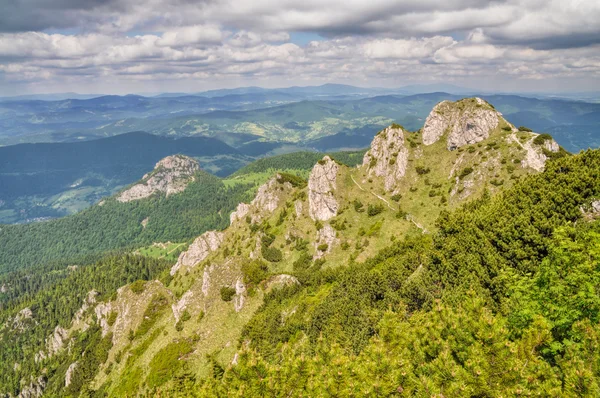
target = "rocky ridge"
x: 210, y: 303
x: 388, y: 157
x: 198, y: 250
x: 322, y: 204
x: 465, y: 122
x: 171, y: 175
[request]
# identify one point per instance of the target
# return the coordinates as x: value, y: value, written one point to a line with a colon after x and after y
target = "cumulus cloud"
x: 82, y: 41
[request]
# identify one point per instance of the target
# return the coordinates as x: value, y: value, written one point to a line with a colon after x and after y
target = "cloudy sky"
x: 123, y: 46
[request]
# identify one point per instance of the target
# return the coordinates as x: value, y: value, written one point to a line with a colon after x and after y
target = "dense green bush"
x: 227, y: 293
x: 373, y: 210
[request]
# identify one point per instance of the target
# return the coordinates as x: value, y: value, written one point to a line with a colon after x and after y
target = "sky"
x: 127, y: 46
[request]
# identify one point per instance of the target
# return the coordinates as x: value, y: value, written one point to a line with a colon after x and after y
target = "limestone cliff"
x: 322, y: 204
x: 388, y: 157
x: 171, y: 175
x: 463, y: 122
x: 199, y: 250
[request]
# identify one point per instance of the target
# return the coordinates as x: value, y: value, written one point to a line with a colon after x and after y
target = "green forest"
x: 501, y: 300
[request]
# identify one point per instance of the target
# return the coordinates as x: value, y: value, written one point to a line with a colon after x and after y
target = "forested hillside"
x: 457, y: 260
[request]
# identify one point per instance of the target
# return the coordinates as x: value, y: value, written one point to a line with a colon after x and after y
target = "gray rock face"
x: 182, y: 304
x: 171, y: 175
x: 282, y: 280
x: 551, y: 145
x: 69, y: 374
x: 22, y: 320
x: 298, y: 208
x: 388, y: 157
x: 35, y: 389
x: 322, y: 205
x: 264, y: 203
x: 102, y: 312
x: 200, y: 249
x: 240, y: 295
x: 325, y: 235
x: 592, y: 211
x: 240, y: 212
x: 534, y: 156
x: 465, y: 122
x: 266, y: 199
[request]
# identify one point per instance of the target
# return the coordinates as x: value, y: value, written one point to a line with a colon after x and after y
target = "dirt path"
x: 373, y: 193
x: 408, y: 217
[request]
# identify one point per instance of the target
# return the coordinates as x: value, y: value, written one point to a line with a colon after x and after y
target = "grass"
x: 169, y: 250
x: 214, y: 326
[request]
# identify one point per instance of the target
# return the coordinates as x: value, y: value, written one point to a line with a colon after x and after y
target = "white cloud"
x: 237, y: 41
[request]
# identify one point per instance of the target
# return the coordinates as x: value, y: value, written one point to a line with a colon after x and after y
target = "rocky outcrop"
x: 298, y: 208
x: 464, y: 122
x: 387, y: 157
x: 103, y: 311
x: 240, y: 295
x: 22, y: 320
x: 88, y: 302
x: 266, y: 199
x: 326, y: 236
x: 240, y: 213
x: 55, y: 343
x: 69, y: 374
x: 535, y: 157
x: 35, y: 389
x: 592, y: 211
x: 199, y: 250
x: 322, y: 204
x: 182, y: 304
x: 171, y: 175
x: 264, y: 203
x: 280, y: 281
x: 206, y: 280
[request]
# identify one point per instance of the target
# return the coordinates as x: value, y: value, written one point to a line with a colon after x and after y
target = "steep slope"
x: 292, y: 241
x: 50, y: 180
x: 175, y: 202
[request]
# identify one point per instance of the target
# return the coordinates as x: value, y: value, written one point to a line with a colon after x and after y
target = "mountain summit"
x: 296, y: 235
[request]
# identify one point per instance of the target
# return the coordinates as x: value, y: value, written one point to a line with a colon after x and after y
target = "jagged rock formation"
x: 69, y: 374
x: 465, y: 122
x: 266, y: 199
x: 171, y: 175
x: 264, y: 203
x: 239, y: 299
x: 102, y: 312
x: 592, y: 211
x: 182, y: 304
x: 387, y: 157
x: 240, y: 212
x: 35, y: 389
x: 322, y: 205
x: 88, y: 302
x: 21, y: 321
x: 535, y: 158
x: 325, y: 236
x: 199, y: 250
x: 54, y: 344
x: 298, y: 208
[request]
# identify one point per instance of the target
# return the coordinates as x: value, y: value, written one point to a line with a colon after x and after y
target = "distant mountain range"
x: 299, y: 115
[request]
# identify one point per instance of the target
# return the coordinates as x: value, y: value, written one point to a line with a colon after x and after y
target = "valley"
x: 344, y: 272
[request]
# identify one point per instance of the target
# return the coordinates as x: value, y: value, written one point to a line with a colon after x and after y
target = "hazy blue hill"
x: 296, y: 114
x: 40, y: 180
x: 205, y: 204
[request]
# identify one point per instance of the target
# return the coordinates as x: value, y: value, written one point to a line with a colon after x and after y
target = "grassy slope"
x: 217, y: 333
